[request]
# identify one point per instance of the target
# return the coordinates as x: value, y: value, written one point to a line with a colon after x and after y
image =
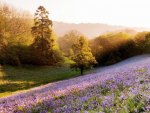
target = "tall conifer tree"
x: 44, y: 43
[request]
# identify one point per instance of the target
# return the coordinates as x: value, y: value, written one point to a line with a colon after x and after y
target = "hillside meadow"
x: 16, y: 79
x: 42, y: 72
x: 123, y: 88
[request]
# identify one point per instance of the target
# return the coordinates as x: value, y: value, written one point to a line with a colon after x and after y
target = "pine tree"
x: 44, y: 43
x: 82, y: 57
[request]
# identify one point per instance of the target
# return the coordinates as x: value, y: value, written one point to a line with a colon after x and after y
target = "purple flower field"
x: 123, y: 89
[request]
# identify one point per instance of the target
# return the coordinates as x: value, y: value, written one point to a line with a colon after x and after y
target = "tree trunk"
x: 81, y: 69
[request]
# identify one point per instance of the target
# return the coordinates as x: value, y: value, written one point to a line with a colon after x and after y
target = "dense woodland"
x: 30, y: 40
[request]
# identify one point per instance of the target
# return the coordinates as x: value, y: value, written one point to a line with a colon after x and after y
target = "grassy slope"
x: 14, y: 79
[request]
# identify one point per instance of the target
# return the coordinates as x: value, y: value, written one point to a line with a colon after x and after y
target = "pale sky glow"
x: 132, y: 13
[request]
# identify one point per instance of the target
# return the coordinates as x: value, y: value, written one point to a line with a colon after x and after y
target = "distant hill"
x: 92, y: 30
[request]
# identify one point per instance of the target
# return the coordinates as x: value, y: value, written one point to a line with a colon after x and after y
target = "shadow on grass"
x: 21, y: 78
x: 11, y: 87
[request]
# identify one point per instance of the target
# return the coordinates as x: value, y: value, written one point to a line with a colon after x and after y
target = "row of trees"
x: 24, y: 41
x: 42, y: 48
x: 115, y: 47
x: 110, y: 48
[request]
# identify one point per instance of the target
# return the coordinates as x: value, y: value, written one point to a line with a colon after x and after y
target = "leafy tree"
x: 44, y: 46
x: 15, y: 32
x: 3, y: 46
x: 112, y: 47
x: 15, y: 26
x: 68, y: 40
x: 147, y: 43
x: 82, y: 57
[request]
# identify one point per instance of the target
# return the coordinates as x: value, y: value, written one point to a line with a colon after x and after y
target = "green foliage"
x: 45, y: 50
x: 147, y: 43
x: 13, y: 56
x: 82, y: 57
x: 134, y: 104
x: 3, y: 46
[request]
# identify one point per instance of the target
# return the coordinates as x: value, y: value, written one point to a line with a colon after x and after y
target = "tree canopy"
x: 82, y: 56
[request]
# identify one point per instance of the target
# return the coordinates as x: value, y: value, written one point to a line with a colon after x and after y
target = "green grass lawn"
x: 14, y: 79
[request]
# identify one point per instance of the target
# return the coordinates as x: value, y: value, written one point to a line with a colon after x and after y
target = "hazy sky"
x: 135, y: 13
